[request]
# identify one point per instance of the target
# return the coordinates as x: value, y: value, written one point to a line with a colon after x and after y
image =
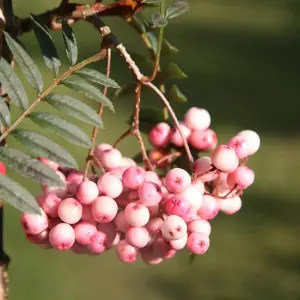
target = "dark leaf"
x: 47, y: 46
x: 4, y: 113
x: 14, y: 194
x: 126, y: 89
x: 153, y: 41
x: 173, y: 72
x: 29, y: 167
x: 158, y: 20
x: 176, y: 95
x: 26, y: 63
x: 13, y: 85
x: 43, y: 147
x: 168, y: 49
x: 62, y: 128
x: 70, y: 43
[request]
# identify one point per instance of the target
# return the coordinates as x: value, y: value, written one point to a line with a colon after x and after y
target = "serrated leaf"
x: 13, y: 85
x: 17, y: 196
x: 176, y: 95
x: 70, y: 43
x: 74, y: 108
x: 177, y: 8
x: 97, y: 77
x: 26, y: 63
x: 158, y: 20
x: 174, y: 72
x: 47, y: 46
x: 62, y: 128
x: 29, y: 167
x: 148, y: 118
x: 43, y: 147
x: 89, y: 90
x: 4, y: 113
x: 168, y: 49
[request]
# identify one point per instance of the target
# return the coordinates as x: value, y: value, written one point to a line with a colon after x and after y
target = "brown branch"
x: 167, y: 157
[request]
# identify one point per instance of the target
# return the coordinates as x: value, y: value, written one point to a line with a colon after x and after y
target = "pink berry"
x: 149, y: 257
x: 154, y: 210
x: 126, y: 253
x: 79, y: 248
x: 87, y: 192
x: 136, y: 214
x: 149, y: 193
x: 162, y: 248
x: 109, y: 230
x: 127, y: 162
x: 121, y: 222
x: 197, y: 118
x: 137, y: 237
x: 124, y: 199
x: 34, y: 223
x: 198, y: 243
x: 204, y: 169
x: 53, y: 222
x: 154, y: 226
x: 152, y: 177
x: 110, y: 185
x: 176, y: 138
x: 238, y: 143
x: 50, y: 205
x: 87, y: 215
x: 117, y: 171
x: 179, y: 244
x: 200, y: 226
x: 84, y: 232
x: 156, y: 155
x: 110, y: 158
x: 70, y: 211
x: 209, y: 208
x: 98, y: 243
x: 252, y: 140
x: 114, y: 242
x: 173, y: 228
x: 41, y: 238
x: 100, y: 148
x: 177, y: 205
x: 133, y: 177
x: 190, y: 215
x: 104, y: 209
x: 159, y: 135
x: 225, y: 159
x: 243, y: 177
x: 177, y: 180
x: 203, y: 140
x: 52, y: 164
x: 62, y: 236
x: 230, y: 206
x: 193, y: 194
x: 73, y: 181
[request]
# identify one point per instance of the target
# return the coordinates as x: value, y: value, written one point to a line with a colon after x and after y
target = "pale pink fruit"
x: 149, y: 193
x: 87, y: 192
x: 162, y: 248
x: 84, y: 232
x: 126, y: 253
x: 154, y: 210
x: 87, y: 215
x: 252, y: 140
x: 110, y: 185
x: 137, y: 237
x: 173, y: 228
x: 50, y: 205
x: 177, y: 205
x: 203, y: 140
x: 200, y: 226
x: 98, y: 243
x: 179, y: 244
x: 110, y: 232
x: 243, y: 177
x: 121, y: 222
x: 198, y: 243
x: 197, y: 118
x: 149, y: 257
x: 70, y: 211
x: 204, y: 169
x: 154, y: 226
x: 190, y: 215
x: 104, y: 209
x: 133, y: 177
x: 62, y: 236
x: 136, y: 214
x: 176, y: 138
x: 177, y: 180
x: 225, y: 159
x: 152, y: 177
x: 41, y: 238
x: 159, y: 135
x: 209, y: 208
x: 193, y: 195
x: 34, y: 223
x: 238, y: 143
x: 100, y: 148
x: 73, y: 181
x: 110, y: 158
x: 230, y: 206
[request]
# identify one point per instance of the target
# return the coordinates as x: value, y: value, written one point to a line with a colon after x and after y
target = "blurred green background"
x: 242, y: 58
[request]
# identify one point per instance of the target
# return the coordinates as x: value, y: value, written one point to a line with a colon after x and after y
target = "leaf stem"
x: 48, y: 91
x: 90, y: 156
x: 173, y: 115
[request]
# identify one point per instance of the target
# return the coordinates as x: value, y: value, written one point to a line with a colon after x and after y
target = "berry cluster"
x: 139, y: 212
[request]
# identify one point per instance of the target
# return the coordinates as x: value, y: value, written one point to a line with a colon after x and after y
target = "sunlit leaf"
x: 177, y: 8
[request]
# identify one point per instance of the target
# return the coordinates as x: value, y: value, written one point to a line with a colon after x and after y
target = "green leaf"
x: 4, y: 113
x: 151, y: 1
x: 30, y: 167
x: 153, y: 41
x: 74, y: 108
x: 89, y: 90
x: 168, y: 49
x: 174, y: 72
x: 126, y: 89
x: 43, y: 147
x: 17, y: 196
x: 13, y: 85
x: 177, y: 8
x: 26, y: 63
x: 176, y: 95
x: 158, y: 20
x: 62, y: 128
x: 97, y: 77
x: 70, y: 43
x: 138, y: 25
x: 47, y: 46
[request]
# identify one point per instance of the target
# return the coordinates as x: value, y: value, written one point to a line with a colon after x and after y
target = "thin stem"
x: 159, y: 45
x: 122, y: 137
x: 96, y: 129
x: 172, y: 113
x: 48, y: 91
x: 168, y: 157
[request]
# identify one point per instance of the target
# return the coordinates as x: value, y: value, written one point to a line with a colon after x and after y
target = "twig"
x: 167, y: 157
x: 167, y: 104
x: 90, y: 156
x: 47, y: 91
x: 122, y: 137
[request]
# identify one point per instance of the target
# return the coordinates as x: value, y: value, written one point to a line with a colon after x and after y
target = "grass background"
x: 242, y: 58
